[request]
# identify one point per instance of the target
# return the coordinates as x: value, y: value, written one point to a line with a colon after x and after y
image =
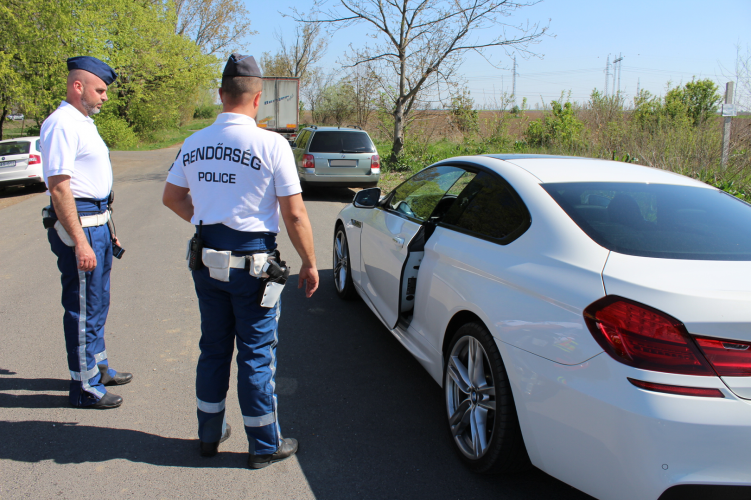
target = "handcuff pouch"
x: 217, y: 262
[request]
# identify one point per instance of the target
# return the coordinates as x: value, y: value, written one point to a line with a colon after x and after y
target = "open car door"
x: 390, y: 229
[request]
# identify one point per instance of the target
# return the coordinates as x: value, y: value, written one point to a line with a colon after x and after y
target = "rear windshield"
x: 658, y: 220
x: 14, y: 148
x: 341, y: 142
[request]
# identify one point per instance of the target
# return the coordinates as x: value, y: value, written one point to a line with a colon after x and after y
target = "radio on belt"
x: 195, y: 250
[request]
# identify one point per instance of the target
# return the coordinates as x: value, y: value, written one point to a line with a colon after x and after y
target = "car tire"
x: 345, y: 288
x: 481, y: 415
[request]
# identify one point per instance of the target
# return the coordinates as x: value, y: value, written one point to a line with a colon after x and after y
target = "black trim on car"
x: 706, y: 491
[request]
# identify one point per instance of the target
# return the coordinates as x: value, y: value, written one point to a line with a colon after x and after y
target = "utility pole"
x: 617, y: 71
x: 620, y: 72
x: 607, y: 75
x: 728, y: 111
x: 513, y: 92
x: 638, y: 81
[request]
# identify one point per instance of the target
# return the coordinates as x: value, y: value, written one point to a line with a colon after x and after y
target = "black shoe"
x: 108, y: 401
x: 211, y: 449
x: 287, y: 449
x: 120, y: 378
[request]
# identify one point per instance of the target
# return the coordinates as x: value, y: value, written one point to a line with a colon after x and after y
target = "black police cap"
x: 240, y: 65
x: 93, y: 65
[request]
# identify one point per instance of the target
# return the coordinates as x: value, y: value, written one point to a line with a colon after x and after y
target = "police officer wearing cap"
x: 78, y: 175
x: 231, y: 180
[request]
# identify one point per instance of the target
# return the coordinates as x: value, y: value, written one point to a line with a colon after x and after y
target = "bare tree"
x: 420, y: 43
x: 296, y: 58
x: 366, y: 87
x: 214, y: 25
x: 314, y: 91
x: 742, y: 76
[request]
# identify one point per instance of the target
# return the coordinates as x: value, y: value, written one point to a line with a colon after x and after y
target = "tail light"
x: 729, y: 358
x: 35, y: 159
x: 645, y: 338
x: 375, y: 164
x: 309, y: 163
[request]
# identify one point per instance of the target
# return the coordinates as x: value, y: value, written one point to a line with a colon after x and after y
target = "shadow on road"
x: 31, y: 384
x: 342, y: 195
x: 70, y: 443
x: 32, y: 400
x: 15, y: 191
x: 369, y: 418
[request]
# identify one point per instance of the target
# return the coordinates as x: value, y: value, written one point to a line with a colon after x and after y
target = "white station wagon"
x: 592, y: 318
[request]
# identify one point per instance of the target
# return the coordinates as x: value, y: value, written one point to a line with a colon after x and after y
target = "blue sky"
x: 660, y: 41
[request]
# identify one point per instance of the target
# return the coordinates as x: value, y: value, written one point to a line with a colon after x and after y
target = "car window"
x: 37, y: 146
x: 15, y: 148
x: 334, y: 141
x: 489, y: 207
x: 659, y: 220
x: 302, y: 139
x: 419, y: 195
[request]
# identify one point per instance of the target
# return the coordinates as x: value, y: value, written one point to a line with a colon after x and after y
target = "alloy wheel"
x: 470, y: 397
x: 341, y: 255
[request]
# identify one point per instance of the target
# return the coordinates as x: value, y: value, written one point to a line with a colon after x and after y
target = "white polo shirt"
x: 235, y: 171
x: 71, y: 145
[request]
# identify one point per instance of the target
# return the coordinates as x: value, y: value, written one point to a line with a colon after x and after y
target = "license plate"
x: 343, y: 163
x: 8, y: 163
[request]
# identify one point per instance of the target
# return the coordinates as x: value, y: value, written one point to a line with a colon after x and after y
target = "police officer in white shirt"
x: 78, y: 174
x: 231, y: 179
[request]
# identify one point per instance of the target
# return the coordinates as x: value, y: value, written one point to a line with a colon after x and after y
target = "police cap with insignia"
x: 94, y: 66
x: 240, y: 65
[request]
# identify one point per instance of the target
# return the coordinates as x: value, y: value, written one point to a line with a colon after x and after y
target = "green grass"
x: 171, y: 137
x: 13, y: 129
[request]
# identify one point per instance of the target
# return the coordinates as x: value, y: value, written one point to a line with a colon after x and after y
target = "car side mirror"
x: 367, y: 198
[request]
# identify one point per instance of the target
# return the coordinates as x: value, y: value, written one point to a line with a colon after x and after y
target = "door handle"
x: 398, y: 241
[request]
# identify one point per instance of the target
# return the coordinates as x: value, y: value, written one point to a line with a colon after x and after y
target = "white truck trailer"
x: 279, y: 108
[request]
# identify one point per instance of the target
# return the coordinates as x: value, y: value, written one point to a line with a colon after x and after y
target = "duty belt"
x: 95, y: 220
x: 86, y: 220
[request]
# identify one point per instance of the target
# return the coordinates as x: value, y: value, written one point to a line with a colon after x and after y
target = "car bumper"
x: 588, y: 426
x: 370, y: 180
x: 21, y: 177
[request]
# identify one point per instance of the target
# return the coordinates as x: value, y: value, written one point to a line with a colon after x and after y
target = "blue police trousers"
x: 86, y: 300
x: 229, y: 315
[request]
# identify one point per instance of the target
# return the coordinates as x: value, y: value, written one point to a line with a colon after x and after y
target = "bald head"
x: 86, y: 91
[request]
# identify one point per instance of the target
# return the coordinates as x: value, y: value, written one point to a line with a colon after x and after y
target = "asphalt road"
x: 368, y: 417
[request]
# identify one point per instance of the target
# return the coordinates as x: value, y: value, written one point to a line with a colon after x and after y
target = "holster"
x: 271, y: 287
x: 48, y: 221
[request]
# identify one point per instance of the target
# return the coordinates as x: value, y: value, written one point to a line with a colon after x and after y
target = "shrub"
x: 205, y: 112
x: 115, y: 132
x: 562, y: 127
x: 463, y: 115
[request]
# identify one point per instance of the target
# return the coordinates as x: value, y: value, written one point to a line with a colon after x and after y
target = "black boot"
x: 107, y: 401
x: 287, y: 449
x: 211, y: 449
x: 120, y: 378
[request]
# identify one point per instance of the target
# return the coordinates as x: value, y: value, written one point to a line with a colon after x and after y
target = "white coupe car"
x: 590, y: 317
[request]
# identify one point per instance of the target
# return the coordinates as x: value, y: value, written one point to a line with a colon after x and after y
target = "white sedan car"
x: 590, y: 317
x: 20, y: 162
